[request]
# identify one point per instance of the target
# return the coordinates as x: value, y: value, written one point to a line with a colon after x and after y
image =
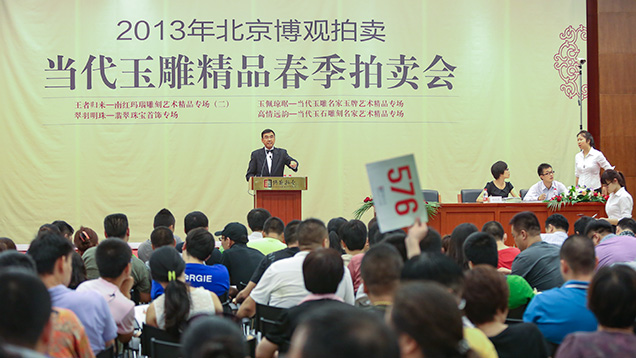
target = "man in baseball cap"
x: 240, y: 260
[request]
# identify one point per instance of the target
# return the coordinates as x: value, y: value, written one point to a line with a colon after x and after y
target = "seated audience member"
x: 172, y: 310
x: 159, y: 237
x: 291, y: 239
x: 611, y: 299
x: 506, y: 254
x: 561, y: 311
x: 334, y: 240
x: 380, y: 270
x: 25, y: 311
x: 458, y: 236
x: 374, y: 230
x: 353, y: 236
x: 486, y: 295
x: 195, y: 220
x: 499, y: 186
x: 272, y: 237
x: 79, y: 271
x: 198, y: 246
x: 446, y: 244
x: 538, y: 261
x: 481, y: 248
x: 114, y: 284
x: 431, y: 243
x: 65, y: 229
x: 581, y: 223
x: 322, y: 272
x: 610, y: 248
x: 256, y: 221
x: 116, y: 226
x: 163, y: 218
x: 7, y: 244
x: 357, y: 334
x: 556, y: 228
x: 626, y: 227
x: 443, y: 270
x: 52, y: 254
x: 241, y: 261
x: 68, y: 338
x: 428, y: 322
x: 213, y: 337
x: 84, y: 239
x: 396, y: 239
x: 283, y: 285
x: 547, y: 187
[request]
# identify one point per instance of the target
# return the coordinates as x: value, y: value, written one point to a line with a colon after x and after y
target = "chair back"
x: 107, y: 353
x: 164, y: 349
x: 470, y: 195
x: 267, y: 317
x: 150, y: 332
x: 430, y: 195
x: 522, y: 193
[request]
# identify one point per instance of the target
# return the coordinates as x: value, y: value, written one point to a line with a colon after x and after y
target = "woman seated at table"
x: 499, y: 186
x: 620, y: 203
x: 172, y: 310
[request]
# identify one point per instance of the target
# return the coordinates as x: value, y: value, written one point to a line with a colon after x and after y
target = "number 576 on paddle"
x: 397, y: 195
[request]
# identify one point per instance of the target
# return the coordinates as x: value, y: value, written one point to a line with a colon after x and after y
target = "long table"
x: 451, y: 215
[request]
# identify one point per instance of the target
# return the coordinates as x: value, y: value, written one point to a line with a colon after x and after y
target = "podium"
x: 281, y: 196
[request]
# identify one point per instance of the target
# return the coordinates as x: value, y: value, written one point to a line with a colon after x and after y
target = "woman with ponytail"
x: 620, y: 203
x: 172, y: 310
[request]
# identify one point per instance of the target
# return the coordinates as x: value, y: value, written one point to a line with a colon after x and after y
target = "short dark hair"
x: 274, y: 225
x: 581, y: 224
x: 49, y: 228
x: 161, y: 236
x: 335, y: 223
x: 396, y: 239
x: 527, y: 221
x: 211, y: 336
x: 486, y: 292
x: 374, y: 231
x: 311, y: 232
x: 432, y: 242
x: 609, y: 175
x: 85, y: 238
x: 542, y: 167
x: 435, y: 267
x: 194, y: 220
x: 627, y: 224
x: 612, y: 294
x: 25, y: 307
x: 46, y: 249
x: 7, y: 244
x: 599, y: 226
x: 199, y: 243
x: 558, y: 221
x: 13, y: 258
x: 323, y: 269
x: 291, y: 236
x: 381, y: 268
x: 428, y: 313
x: 588, y: 137
x: 458, y: 236
x: 164, y: 218
x: 495, y: 229
x: 354, y: 234
x: 357, y: 334
x: 112, y: 257
x: 578, y: 252
x: 481, y: 248
x: 498, y: 169
x: 267, y: 131
x: 65, y: 228
x: 116, y: 225
x: 256, y: 218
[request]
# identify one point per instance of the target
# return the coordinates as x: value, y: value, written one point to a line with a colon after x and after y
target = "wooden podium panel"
x: 451, y: 215
x: 281, y: 196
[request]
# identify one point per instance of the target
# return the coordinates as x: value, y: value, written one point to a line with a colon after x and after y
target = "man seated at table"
x: 556, y: 228
x: 547, y: 187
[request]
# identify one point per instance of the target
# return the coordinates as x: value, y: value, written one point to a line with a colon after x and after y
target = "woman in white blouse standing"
x: 620, y: 203
x: 589, y: 162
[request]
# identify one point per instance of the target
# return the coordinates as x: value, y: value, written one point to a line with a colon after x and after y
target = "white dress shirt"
x: 555, y: 238
x: 619, y: 205
x: 539, y: 188
x: 588, y: 168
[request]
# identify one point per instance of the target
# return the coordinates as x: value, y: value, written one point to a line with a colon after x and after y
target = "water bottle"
x: 485, y: 196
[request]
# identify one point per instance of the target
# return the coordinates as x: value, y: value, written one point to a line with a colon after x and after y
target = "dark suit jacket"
x: 258, y: 163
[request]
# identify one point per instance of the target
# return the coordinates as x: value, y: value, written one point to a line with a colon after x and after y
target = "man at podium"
x: 269, y: 161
